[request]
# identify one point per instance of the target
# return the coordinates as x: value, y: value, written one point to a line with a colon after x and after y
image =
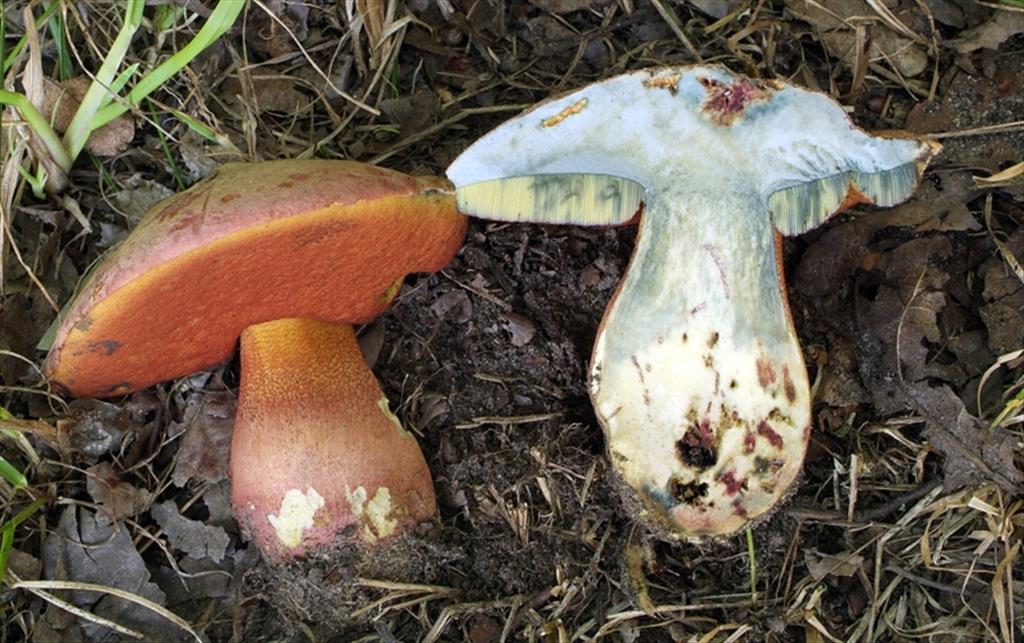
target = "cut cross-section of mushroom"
x: 285, y: 254
x: 697, y: 376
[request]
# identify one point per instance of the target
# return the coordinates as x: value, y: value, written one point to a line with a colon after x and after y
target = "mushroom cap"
x: 315, y: 449
x: 591, y: 156
x: 257, y: 242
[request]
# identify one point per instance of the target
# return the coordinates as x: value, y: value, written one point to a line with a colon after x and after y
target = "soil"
x: 910, y: 319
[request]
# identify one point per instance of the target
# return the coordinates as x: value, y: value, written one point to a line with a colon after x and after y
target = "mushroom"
x: 697, y: 376
x: 280, y: 254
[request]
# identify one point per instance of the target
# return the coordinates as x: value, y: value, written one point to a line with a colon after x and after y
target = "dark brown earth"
x: 907, y: 521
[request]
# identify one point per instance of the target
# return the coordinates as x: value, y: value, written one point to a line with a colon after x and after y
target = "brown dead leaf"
x: 86, y: 548
x: 62, y: 100
x: 279, y: 32
x: 840, y: 383
x: 193, y: 537
x: 833, y: 257
x: 203, y: 454
x: 520, y: 328
x: 938, y: 204
x: 898, y: 329
x: 269, y: 94
x: 973, y: 453
x: 991, y: 33
x: 116, y: 498
x: 138, y: 196
x: 821, y: 566
x: 836, y: 21
x: 97, y: 428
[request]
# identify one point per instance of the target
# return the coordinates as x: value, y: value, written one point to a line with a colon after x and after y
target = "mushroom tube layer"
x: 697, y: 376
x: 258, y: 242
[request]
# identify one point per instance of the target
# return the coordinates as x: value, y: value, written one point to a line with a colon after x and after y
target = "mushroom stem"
x: 697, y: 373
x: 315, y: 451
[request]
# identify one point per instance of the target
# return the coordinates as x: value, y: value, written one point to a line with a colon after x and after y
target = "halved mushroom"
x: 697, y: 377
x: 276, y: 253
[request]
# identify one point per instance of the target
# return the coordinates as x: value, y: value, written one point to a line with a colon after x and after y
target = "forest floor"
x: 906, y: 523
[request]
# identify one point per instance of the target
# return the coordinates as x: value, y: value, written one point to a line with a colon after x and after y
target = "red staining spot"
x: 765, y: 372
x: 767, y: 432
x: 189, y: 220
x: 720, y: 264
x: 299, y: 176
x: 732, y: 485
x: 228, y: 198
x: 787, y: 385
x: 175, y: 207
x: 749, y: 442
x: 285, y: 184
x: 726, y: 102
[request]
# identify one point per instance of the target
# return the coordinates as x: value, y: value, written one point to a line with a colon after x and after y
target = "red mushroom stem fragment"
x: 315, y: 448
x: 697, y: 376
x: 275, y: 252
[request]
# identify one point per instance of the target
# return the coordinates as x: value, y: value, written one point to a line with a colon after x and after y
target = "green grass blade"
x: 8, y: 59
x: 40, y: 127
x: 7, y: 532
x: 216, y: 25
x: 11, y: 474
x: 78, y: 131
x: 56, y: 23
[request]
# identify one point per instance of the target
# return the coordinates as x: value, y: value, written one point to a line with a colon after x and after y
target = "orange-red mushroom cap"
x: 263, y: 241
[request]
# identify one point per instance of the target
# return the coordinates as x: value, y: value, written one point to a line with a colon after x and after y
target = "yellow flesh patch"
x: 375, y: 514
x: 296, y: 515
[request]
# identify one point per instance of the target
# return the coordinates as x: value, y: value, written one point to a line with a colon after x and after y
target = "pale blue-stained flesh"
x: 697, y: 376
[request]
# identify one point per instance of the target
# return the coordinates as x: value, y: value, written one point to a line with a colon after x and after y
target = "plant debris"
x: 907, y: 521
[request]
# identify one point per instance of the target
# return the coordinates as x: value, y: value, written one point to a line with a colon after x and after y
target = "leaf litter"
x: 910, y: 317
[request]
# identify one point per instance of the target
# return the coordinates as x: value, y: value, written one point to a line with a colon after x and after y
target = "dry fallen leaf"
x: 116, y: 498
x: 87, y: 549
x: 193, y: 537
x: 820, y: 566
x: 991, y: 33
x: 98, y: 427
x: 973, y: 453
x: 837, y: 20
x: 203, y: 454
x: 59, y: 106
x: 279, y: 30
